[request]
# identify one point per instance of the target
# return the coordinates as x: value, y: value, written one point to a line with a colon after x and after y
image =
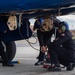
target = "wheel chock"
x: 15, y: 62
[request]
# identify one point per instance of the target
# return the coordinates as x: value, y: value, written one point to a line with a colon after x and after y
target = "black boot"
x: 70, y: 67
x: 39, y: 63
x: 9, y: 64
x: 54, y: 67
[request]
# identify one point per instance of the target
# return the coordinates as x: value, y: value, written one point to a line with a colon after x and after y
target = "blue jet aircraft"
x: 14, y: 16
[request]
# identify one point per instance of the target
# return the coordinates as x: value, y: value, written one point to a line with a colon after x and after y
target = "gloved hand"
x: 44, y: 49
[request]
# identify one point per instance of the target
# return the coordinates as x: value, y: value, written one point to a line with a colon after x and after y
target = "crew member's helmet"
x: 63, y: 26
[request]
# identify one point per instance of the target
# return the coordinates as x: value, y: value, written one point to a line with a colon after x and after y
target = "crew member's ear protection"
x: 62, y: 26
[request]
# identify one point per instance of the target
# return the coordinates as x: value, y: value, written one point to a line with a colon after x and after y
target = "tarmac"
x: 26, y: 56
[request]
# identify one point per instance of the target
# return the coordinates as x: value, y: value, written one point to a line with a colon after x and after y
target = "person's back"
x: 70, y: 43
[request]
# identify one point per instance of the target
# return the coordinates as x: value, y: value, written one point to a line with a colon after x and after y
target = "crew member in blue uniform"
x: 3, y: 54
x: 44, y: 34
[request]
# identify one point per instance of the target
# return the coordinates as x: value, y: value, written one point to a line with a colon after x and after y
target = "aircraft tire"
x: 10, y: 48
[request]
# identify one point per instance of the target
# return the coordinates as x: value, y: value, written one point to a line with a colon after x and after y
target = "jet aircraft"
x: 14, y: 16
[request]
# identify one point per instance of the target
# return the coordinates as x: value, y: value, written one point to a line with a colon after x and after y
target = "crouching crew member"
x: 62, y: 50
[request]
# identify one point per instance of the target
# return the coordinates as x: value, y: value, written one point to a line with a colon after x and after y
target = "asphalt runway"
x: 27, y: 57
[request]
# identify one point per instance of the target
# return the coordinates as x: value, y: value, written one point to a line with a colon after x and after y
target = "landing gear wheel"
x: 10, y: 48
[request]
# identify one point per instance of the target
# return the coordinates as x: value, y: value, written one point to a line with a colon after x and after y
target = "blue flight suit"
x: 43, y: 37
x: 62, y: 50
x: 3, y: 28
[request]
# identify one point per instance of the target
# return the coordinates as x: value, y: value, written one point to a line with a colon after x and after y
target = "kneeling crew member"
x: 62, y: 50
